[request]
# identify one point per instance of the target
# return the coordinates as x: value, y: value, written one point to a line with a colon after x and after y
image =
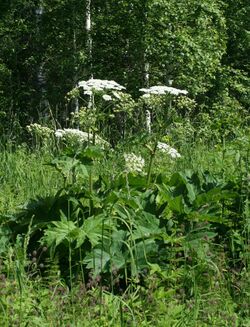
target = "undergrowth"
x: 101, y: 246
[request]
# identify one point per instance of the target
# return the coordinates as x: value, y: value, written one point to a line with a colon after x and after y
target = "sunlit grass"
x: 207, y: 285
x: 25, y: 175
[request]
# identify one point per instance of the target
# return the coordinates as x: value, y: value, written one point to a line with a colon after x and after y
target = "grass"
x: 203, y: 285
x: 24, y: 175
x: 52, y: 303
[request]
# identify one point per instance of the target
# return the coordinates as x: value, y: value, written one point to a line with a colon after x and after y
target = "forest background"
x: 200, y: 46
x: 123, y: 205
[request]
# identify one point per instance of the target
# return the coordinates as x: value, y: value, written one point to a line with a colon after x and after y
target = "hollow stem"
x: 152, y: 155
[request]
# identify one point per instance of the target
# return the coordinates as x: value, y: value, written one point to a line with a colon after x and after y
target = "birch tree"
x: 89, y: 40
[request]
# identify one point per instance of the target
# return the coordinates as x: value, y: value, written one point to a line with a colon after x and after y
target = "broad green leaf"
x: 64, y: 230
x: 97, y: 260
x: 191, y: 192
x: 177, y: 204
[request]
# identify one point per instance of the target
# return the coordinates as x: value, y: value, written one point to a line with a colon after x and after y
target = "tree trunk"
x: 89, y: 36
x: 146, y: 66
x: 41, y: 79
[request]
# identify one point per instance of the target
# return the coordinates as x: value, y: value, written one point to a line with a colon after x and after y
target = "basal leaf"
x: 97, y: 260
x: 191, y: 192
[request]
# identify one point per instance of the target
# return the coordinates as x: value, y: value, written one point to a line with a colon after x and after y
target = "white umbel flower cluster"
x: 75, y: 135
x: 134, y: 163
x: 39, y: 130
x: 106, y: 97
x: 99, y: 85
x: 167, y: 149
x: 71, y: 132
x: 161, y: 90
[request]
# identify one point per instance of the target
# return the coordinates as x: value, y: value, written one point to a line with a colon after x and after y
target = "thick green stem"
x: 152, y: 155
x: 91, y: 205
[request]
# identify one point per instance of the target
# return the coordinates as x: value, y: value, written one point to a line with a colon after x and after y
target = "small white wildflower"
x: 107, y: 97
x: 134, y: 163
x: 167, y: 149
x: 161, y: 90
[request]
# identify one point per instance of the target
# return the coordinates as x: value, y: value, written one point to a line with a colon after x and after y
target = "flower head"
x: 107, y: 97
x: 146, y: 95
x: 99, y: 85
x: 161, y: 90
x: 39, y: 130
x: 79, y: 137
x: 116, y: 95
x: 133, y: 163
x: 164, y: 147
x: 59, y: 133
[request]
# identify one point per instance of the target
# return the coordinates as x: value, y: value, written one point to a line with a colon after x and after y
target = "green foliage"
x: 23, y: 176
x: 44, y: 53
x: 183, y: 40
x: 237, y: 13
x: 173, y: 244
x: 124, y: 232
x: 94, y: 216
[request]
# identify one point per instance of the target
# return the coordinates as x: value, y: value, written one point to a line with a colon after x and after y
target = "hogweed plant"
x: 133, y: 163
x: 78, y: 138
x: 93, y: 85
x: 101, y: 99
x: 161, y: 90
x: 126, y: 240
x: 42, y: 135
x: 162, y: 147
x: 149, y: 99
x: 165, y: 148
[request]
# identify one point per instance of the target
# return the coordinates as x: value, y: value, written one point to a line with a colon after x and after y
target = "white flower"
x: 77, y: 136
x: 88, y: 92
x: 99, y: 85
x: 161, y: 90
x: 146, y: 95
x: 134, y: 163
x: 59, y: 133
x: 107, y: 97
x: 82, y: 136
x: 167, y: 149
x: 144, y: 90
x: 117, y: 95
x: 71, y: 133
x: 39, y: 130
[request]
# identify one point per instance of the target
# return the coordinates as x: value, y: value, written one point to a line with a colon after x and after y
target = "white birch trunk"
x: 146, y: 73
x: 89, y: 45
x: 75, y: 74
x: 146, y: 80
x: 88, y: 32
x: 41, y: 80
